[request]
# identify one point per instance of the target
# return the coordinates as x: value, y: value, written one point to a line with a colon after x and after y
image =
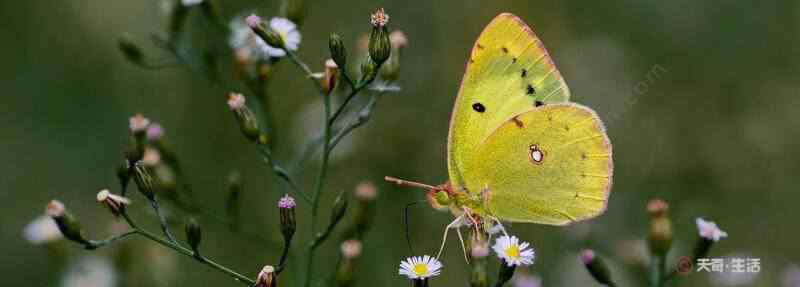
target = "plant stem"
x: 162, y: 220
x: 363, y: 117
x: 182, y: 250
x: 318, y: 186
x: 347, y: 100
x: 309, y: 74
x: 94, y: 244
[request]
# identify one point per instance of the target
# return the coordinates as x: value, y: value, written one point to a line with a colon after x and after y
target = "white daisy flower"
x: 709, y: 230
x: 420, y: 267
x: 251, y: 46
x: 288, y: 32
x: 513, y: 251
x: 42, y: 230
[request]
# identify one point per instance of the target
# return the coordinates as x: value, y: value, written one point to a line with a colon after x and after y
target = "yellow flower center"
x: 512, y: 251
x: 421, y: 269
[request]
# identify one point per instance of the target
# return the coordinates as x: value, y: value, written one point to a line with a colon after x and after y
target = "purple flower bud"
x: 154, y: 131
x: 286, y: 202
x: 253, y: 20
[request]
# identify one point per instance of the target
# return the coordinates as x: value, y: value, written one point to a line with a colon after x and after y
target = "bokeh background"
x: 700, y: 99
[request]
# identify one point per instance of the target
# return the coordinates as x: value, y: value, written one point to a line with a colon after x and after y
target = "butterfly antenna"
x: 402, y: 182
x: 407, y: 226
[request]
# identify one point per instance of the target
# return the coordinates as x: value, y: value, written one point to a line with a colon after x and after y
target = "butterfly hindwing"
x: 509, y: 72
x: 550, y: 165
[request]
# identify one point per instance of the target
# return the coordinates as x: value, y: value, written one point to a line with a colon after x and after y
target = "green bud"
x: 337, y: 49
x: 379, y: 45
x: 286, y: 207
x: 130, y: 50
x: 659, y: 236
x: 234, y: 187
x: 67, y: 224
x: 124, y: 176
x: 246, y: 118
x: 369, y: 69
x: 270, y: 36
x: 596, y: 267
x: 194, y: 235
x: 144, y: 180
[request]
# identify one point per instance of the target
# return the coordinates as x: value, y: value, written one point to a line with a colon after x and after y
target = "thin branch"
x: 182, y: 250
x: 94, y: 244
x: 281, y: 173
x: 162, y: 220
x: 303, y: 66
x: 363, y: 117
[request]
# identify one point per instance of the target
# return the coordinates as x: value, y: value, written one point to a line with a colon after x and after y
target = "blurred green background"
x: 700, y: 99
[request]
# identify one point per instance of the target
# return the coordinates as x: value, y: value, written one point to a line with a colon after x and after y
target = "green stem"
x: 347, y: 100
x: 309, y: 74
x: 162, y: 220
x: 187, y: 252
x: 94, y: 244
x: 318, y: 186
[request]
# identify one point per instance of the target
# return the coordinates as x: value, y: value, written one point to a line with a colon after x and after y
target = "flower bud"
x: 351, y: 248
x: 709, y: 233
x: 338, y: 210
x: 193, y: 235
x: 331, y: 76
x: 379, y: 45
x: 234, y: 187
x: 130, y: 50
x: 266, y: 278
x: 124, y: 175
x: 269, y: 36
x: 369, y: 70
x: 596, y: 267
x: 144, y: 180
x: 366, y: 192
x: 288, y: 224
x: 247, y: 120
x: 115, y: 203
x: 659, y: 237
x: 67, y: 224
x: 390, y: 70
x: 337, y: 50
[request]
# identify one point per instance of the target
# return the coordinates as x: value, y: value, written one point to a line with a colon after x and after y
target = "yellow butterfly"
x: 518, y: 151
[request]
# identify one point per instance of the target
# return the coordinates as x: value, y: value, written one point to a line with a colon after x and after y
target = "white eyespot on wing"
x: 536, y: 155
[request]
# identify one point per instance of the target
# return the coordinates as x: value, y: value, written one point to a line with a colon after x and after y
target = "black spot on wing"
x: 530, y: 90
x: 478, y: 107
x: 524, y: 73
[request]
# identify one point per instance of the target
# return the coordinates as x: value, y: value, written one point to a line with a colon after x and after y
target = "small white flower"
x: 420, y: 267
x: 90, y: 271
x: 351, y: 248
x: 709, y: 230
x: 138, y: 123
x: 513, y: 251
x: 42, y: 230
x: 236, y: 101
x: 288, y: 32
x: 188, y: 3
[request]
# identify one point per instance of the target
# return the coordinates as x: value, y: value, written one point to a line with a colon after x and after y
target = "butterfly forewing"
x: 508, y: 72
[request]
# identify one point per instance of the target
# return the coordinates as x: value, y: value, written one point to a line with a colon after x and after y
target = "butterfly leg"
x: 463, y: 247
x: 456, y: 223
